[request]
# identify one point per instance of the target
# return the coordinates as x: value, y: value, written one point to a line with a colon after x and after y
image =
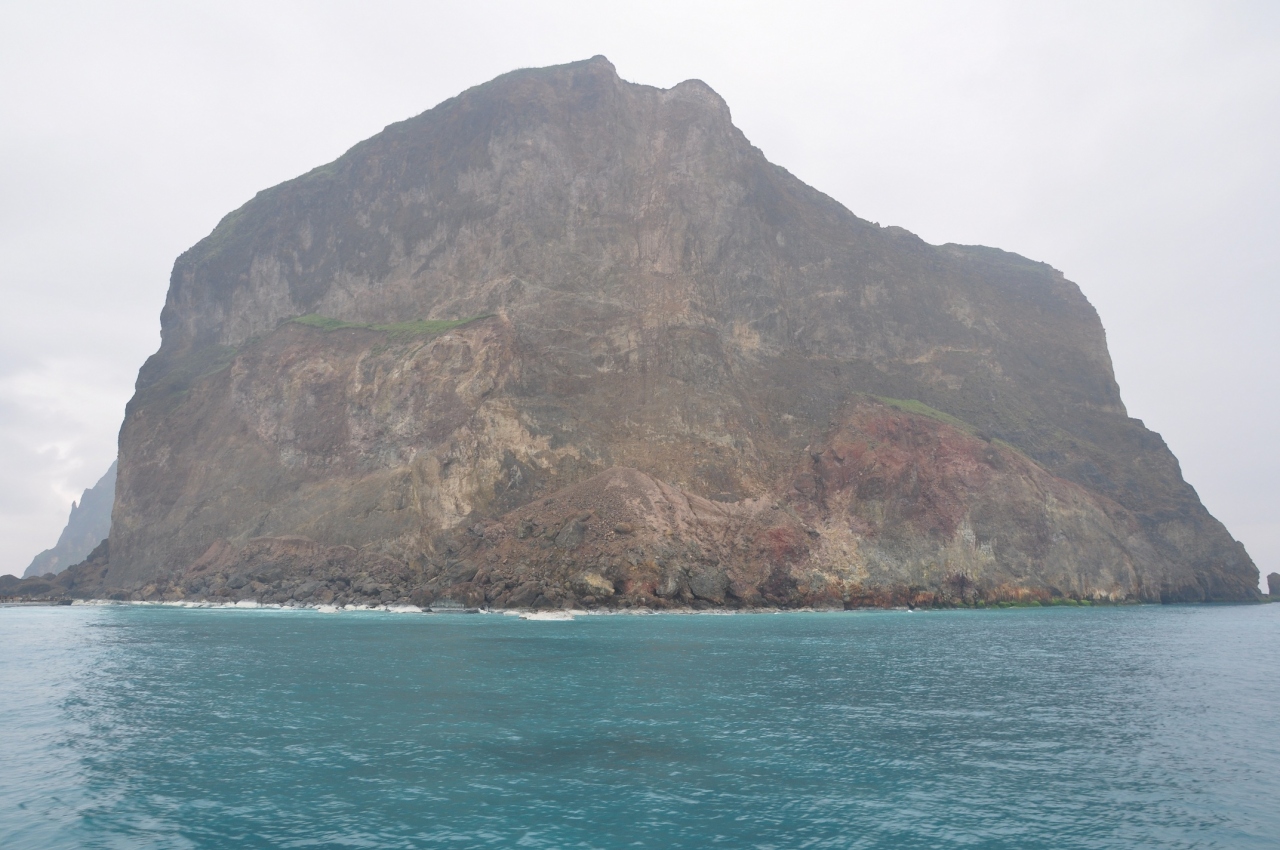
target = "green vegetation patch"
x: 324, y: 323
x: 422, y: 327
x: 919, y: 408
x: 181, y: 374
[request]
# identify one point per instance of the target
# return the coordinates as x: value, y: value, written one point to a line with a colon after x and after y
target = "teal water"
x: 1056, y: 728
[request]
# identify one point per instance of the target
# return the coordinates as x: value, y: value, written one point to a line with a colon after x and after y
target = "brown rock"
x: 782, y: 403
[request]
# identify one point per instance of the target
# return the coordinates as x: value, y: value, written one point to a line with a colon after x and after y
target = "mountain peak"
x: 402, y: 357
x: 88, y: 524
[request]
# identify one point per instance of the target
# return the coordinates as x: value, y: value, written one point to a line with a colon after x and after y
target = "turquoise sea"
x: 1057, y: 728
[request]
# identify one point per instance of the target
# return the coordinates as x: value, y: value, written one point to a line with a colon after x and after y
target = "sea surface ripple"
x: 1125, y: 727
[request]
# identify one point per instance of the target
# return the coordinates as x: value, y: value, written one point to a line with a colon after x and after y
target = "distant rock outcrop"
x: 88, y: 525
x: 1273, y: 585
x: 660, y: 371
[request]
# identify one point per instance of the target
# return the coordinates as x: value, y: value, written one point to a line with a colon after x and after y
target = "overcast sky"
x: 1134, y: 146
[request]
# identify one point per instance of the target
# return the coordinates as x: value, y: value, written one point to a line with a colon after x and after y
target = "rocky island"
x: 566, y: 340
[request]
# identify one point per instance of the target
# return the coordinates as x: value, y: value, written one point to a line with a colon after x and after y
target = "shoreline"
x: 563, y: 613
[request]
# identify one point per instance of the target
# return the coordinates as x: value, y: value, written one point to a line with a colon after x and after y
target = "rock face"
x: 88, y: 525
x: 1273, y: 584
x: 662, y: 371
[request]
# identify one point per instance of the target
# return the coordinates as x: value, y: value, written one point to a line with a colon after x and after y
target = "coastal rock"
x: 1273, y: 584
x: 563, y: 326
x: 571, y: 534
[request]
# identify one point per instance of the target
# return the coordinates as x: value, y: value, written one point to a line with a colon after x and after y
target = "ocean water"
x: 1058, y: 728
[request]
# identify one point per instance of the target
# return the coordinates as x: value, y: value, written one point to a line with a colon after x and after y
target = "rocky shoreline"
x: 11, y: 602
x: 42, y: 591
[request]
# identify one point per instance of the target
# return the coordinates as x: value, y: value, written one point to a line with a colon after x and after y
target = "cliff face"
x: 88, y: 525
x: 688, y: 378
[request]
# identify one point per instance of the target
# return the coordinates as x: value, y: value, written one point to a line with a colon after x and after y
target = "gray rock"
x: 572, y: 534
x: 708, y: 582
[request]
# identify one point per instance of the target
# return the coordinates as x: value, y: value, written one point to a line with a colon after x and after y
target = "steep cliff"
x: 88, y: 525
x: 564, y: 339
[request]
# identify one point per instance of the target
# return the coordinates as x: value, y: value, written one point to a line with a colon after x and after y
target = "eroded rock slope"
x: 675, y: 375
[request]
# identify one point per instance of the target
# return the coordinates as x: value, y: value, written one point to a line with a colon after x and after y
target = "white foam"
x: 546, y: 615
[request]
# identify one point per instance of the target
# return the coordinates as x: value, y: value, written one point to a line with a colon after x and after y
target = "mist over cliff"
x: 569, y: 340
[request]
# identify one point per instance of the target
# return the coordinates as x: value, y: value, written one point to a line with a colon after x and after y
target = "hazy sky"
x: 1134, y: 146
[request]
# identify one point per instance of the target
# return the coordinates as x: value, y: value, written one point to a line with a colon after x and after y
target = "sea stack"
x: 566, y: 340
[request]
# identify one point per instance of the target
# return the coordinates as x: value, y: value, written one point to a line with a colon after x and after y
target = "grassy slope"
x: 423, y: 327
